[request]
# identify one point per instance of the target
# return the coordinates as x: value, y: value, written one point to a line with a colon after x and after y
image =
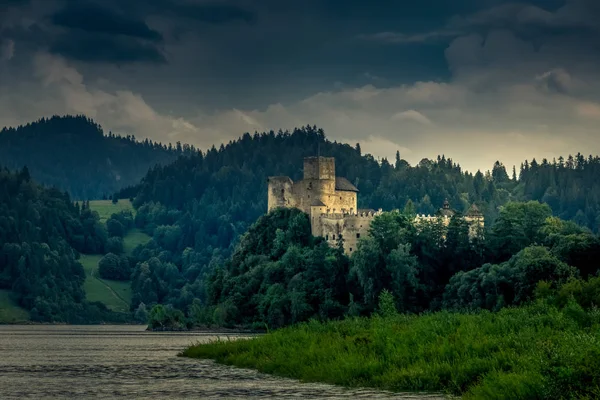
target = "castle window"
x: 350, y: 249
x: 309, y: 196
x: 332, y: 237
x: 282, y: 192
x: 358, y: 235
x: 340, y: 197
x: 326, y: 237
x: 309, y: 185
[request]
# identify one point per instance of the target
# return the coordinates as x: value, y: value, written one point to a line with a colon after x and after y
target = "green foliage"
x: 518, y: 226
x: 73, y: 154
x: 586, y: 293
x: 279, y: 274
x: 114, y: 245
x: 115, y: 228
x: 111, y: 266
x: 513, y: 282
x: 120, y: 223
x: 10, y: 312
x: 387, y: 304
x: 39, y: 230
x: 536, y: 351
x: 166, y: 318
x: 141, y: 314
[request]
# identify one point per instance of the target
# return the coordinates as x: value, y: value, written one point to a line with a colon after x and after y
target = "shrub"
x: 114, y: 245
x: 114, y: 267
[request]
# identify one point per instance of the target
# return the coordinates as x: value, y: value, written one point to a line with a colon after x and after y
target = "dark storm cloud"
x: 13, y: 2
x: 502, y: 76
x: 104, y: 33
x: 105, y: 48
x: 91, y: 17
x: 213, y: 13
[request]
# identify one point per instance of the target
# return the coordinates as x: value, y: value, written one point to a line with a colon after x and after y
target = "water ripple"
x: 108, y: 362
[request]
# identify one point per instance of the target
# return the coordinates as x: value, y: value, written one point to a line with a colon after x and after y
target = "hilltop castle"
x: 331, y: 203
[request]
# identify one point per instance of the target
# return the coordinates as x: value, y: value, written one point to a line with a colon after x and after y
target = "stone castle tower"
x: 331, y: 203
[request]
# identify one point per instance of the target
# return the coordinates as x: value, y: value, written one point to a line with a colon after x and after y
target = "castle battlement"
x: 364, y: 214
x: 331, y: 203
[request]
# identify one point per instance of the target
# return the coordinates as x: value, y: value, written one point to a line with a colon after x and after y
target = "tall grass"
x: 533, y: 352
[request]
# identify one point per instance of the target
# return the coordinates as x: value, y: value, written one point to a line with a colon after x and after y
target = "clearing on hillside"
x: 115, y: 295
x: 106, y: 208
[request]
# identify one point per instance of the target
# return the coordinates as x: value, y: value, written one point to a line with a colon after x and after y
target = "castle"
x: 331, y: 203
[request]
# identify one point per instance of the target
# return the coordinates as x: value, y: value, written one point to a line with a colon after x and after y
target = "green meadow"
x: 116, y: 295
x: 533, y: 352
x: 106, y: 208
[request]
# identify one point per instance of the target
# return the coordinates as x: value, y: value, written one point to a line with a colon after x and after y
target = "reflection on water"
x: 127, y: 362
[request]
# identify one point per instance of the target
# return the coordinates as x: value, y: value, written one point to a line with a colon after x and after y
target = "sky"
x: 475, y: 80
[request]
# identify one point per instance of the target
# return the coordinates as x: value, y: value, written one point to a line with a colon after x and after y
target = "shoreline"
x: 210, y: 330
x: 520, y: 352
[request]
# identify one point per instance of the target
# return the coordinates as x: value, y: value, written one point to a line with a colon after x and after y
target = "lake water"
x: 40, y: 362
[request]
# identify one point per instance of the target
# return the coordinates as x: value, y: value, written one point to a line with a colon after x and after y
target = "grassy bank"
x: 533, y: 352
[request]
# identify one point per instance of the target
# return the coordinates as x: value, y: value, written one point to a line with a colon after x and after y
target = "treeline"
x: 569, y: 186
x: 41, y: 234
x: 73, y: 154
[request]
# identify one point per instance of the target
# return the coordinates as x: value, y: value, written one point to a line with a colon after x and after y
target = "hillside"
x: 198, y: 207
x: 41, y: 233
x: 116, y: 295
x: 75, y: 155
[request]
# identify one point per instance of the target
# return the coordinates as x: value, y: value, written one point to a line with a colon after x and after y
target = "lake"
x: 61, y: 361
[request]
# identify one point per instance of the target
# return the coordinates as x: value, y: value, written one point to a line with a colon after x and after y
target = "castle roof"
x: 446, y: 211
x: 344, y: 184
x: 474, y: 211
x: 317, y: 203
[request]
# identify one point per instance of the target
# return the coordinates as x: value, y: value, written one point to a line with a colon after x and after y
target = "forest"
x: 42, y: 234
x: 73, y: 154
x: 201, y: 209
x: 216, y: 258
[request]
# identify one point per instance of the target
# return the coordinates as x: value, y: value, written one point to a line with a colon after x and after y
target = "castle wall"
x: 475, y: 225
x: 280, y: 192
x: 315, y: 220
x: 319, y: 168
x: 309, y: 191
x: 351, y: 227
x: 343, y: 202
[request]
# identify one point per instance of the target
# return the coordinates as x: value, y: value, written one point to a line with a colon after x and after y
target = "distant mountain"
x: 73, y: 154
